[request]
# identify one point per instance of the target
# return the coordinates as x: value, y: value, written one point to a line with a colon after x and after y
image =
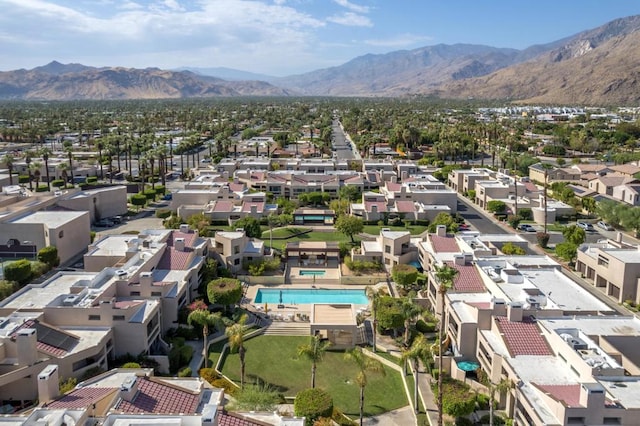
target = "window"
x: 236, y: 262
x: 156, y: 294
x: 387, y: 249
x: 236, y: 249
x: 94, y: 317
x: 134, y: 293
x: 603, y: 261
x: 612, y: 421
x: 118, y: 317
x: 575, y: 420
x: 60, y: 234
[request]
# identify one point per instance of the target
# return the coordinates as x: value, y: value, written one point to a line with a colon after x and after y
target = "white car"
x: 586, y: 226
x: 604, y: 225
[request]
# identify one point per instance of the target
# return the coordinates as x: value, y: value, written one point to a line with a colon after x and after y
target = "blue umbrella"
x: 280, y: 296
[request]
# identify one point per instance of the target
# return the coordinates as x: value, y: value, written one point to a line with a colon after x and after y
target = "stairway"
x: 286, y: 328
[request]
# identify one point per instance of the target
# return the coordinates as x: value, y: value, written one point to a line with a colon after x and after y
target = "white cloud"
x: 351, y: 19
x: 399, y: 41
x: 173, y: 5
x: 353, y: 7
x: 129, y: 5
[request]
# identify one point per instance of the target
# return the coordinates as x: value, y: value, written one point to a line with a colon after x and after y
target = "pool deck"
x: 295, y: 310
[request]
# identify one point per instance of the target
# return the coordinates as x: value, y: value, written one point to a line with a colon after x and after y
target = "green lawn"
x: 274, y: 360
x: 311, y: 236
x: 413, y: 229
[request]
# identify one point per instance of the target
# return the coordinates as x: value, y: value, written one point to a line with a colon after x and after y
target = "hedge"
x: 18, y: 271
x: 224, y: 291
x: 313, y: 404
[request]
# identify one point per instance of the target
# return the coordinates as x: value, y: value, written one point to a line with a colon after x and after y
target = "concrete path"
x: 400, y: 417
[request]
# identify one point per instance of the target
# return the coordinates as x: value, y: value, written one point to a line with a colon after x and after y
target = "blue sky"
x: 276, y: 37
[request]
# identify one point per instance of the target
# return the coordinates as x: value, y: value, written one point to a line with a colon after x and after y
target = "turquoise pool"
x: 309, y: 273
x: 308, y: 296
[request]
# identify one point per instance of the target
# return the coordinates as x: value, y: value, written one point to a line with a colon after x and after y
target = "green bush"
x: 130, y: 365
x: 23, y: 179
x: 179, y: 356
x: 58, y: 183
x: 224, y: 291
x: 42, y: 188
x: 425, y: 327
x: 483, y: 401
x: 496, y: 206
x: 67, y: 385
x: 497, y: 420
x: 49, y: 255
x: 150, y: 194
x: 209, y: 374
x: 313, y: 404
x: 38, y: 269
x: 160, y: 189
x: 525, y: 213
x: 18, y: 271
x: 185, y: 372
x: 92, y: 179
x: 163, y: 213
x: 464, y: 421
x: 543, y: 239
x: 7, y: 288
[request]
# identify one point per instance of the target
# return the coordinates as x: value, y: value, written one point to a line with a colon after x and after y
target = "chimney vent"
x: 48, y: 386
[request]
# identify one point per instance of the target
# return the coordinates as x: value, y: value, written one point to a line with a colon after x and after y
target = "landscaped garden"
x: 280, y: 244
x: 275, y: 360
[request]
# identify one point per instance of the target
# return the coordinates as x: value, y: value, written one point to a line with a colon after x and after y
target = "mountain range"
x: 597, y: 66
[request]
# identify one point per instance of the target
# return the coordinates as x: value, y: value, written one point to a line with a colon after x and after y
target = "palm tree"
x: 8, y: 160
x: 409, y: 311
x: 314, y: 352
x: 235, y: 333
x: 34, y: 169
x: 418, y: 351
x: 64, y: 174
x: 27, y: 159
x: 445, y: 275
x: 206, y: 319
x: 503, y: 386
x: 44, y: 153
x: 364, y: 365
x: 373, y: 295
x: 69, y: 151
x: 100, y: 145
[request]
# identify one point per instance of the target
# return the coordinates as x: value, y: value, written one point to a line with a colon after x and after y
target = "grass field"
x: 311, y: 236
x: 413, y: 229
x: 274, y: 360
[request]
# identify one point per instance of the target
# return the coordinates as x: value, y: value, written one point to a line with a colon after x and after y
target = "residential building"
x: 390, y: 248
x: 234, y: 249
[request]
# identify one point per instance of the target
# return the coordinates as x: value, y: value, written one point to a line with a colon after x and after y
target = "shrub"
x: 23, y: 179
x: 513, y: 220
x: 138, y: 200
x: 42, y: 188
x: 67, y: 385
x: 185, y: 372
x: 543, y: 239
x: 92, y: 179
x: 179, y: 356
x: 313, y: 404
x: 130, y: 365
x: 554, y: 150
x: 404, y: 275
x: 425, y: 327
x: 512, y: 249
x: 160, y: 190
x: 497, y: 420
x: 496, y: 206
x: 525, y: 213
x: 18, y: 271
x: 38, y: 269
x: 463, y: 421
x: 224, y: 291
x: 150, y: 194
x: 222, y: 383
x: 209, y: 374
x: 49, y: 255
x: 483, y: 401
x: 57, y: 183
x: 7, y: 288
x: 163, y: 213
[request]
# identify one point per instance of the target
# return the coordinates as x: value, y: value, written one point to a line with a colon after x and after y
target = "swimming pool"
x: 308, y: 296
x: 310, y: 273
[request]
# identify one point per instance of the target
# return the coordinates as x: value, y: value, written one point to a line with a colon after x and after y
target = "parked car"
x: 527, y: 227
x: 463, y: 227
x: 167, y: 196
x: 104, y: 223
x: 586, y: 226
x: 604, y: 225
x: 116, y: 219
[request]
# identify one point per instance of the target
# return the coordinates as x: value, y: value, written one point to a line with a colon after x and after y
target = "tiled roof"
x: 173, y: 259
x: 382, y: 206
x: 569, y: 394
x: 227, y: 419
x: 223, y: 206
x: 393, y: 187
x: 523, y: 338
x: 531, y: 187
x: 236, y: 187
x: 246, y: 207
x: 446, y: 244
x: 405, y: 206
x: 480, y: 305
x: 468, y: 279
x: 81, y: 398
x: 51, y: 340
x: 158, y: 398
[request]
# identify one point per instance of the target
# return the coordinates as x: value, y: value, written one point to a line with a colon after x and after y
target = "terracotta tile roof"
x: 468, y: 279
x: 58, y: 339
x: 81, y: 398
x: 246, y: 207
x: 237, y: 187
x: 229, y: 419
x: 393, y: 187
x: 405, y: 206
x: 523, y: 338
x: 531, y: 187
x: 189, y: 238
x: 158, y: 398
x: 222, y: 206
x: 569, y: 394
x: 382, y: 206
x: 446, y: 244
x: 173, y: 259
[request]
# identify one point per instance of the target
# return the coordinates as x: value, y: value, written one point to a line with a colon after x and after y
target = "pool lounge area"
x: 302, y: 296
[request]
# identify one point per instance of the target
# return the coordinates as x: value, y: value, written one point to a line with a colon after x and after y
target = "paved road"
x: 476, y: 219
x: 342, y: 147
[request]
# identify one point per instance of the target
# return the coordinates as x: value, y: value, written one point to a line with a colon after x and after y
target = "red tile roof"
x: 231, y: 419
x: 405, y: 206
x: 468, y: 279
x: 531, y: 187
x: 246, y: 207
x: 523, y: 338
x: 81, y: 398
x: 446, y: 244
x: 569, y: 394
x: 393, y: 187
x: 223, y: 206
x: 159, y: 398
x: 173, y: 259
x: 42, y: 346
x: 236, y: 187
x: 382, y: 206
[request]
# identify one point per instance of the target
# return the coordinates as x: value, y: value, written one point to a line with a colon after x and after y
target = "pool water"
x: 308, y: 296
x: 304, y: 273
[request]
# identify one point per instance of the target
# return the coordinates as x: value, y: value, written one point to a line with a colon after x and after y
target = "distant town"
x: 301, y: 261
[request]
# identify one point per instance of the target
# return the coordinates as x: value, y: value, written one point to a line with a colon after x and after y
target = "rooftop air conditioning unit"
x: 71, y: 300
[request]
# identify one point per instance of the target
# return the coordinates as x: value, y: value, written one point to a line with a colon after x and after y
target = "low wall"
x: 362, y: 280
x: 262, y: 280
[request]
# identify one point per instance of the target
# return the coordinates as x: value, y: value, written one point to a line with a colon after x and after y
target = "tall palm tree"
x: 35, y: 172
x: 501, y: 387
x: 364, y: 365
x: 8, y: 160
x: 64, y: 172
x: 416, y: 353
x: 235, y: 333
x: 44, y: 153
x: 373, y: 295
x: 27, y: 159
x: 314, y: 352
x: 206, y: 319
x: 409, y: 311
x: 445, y: 275
x: 69, y: 151
x: 100, y: 146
